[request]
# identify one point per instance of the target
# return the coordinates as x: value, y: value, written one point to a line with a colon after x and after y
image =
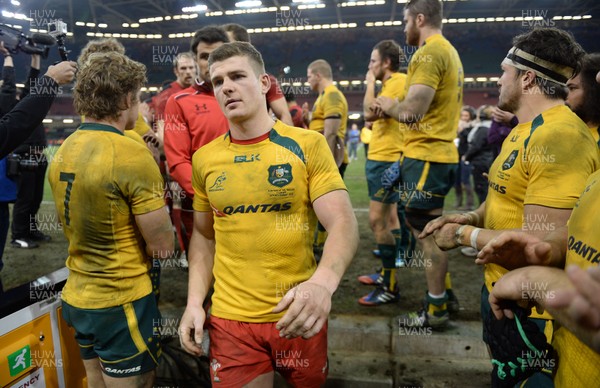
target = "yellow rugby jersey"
x: 543, y: 162
x: 595, y: 135
x: 387, y: 137
x: 130, y: 133
x: 578, y: 364
x: 100, y: 179
x: 331, y: 104
x: 134, y: 136
x: 261, y: 196
x: 436, y: 64
x: 141, y: 126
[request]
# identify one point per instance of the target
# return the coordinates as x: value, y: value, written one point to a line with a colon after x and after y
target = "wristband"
x: 474, y: 235
x: 458, y: 234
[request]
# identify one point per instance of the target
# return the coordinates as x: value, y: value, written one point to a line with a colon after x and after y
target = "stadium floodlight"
x: 15, y: 2
x: 248, y: 3
x: 196, y: 8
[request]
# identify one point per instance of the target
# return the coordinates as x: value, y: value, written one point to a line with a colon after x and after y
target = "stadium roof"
x: 167, y: 16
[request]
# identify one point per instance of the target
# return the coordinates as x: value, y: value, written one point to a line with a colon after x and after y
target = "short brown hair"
x: 389, y: 49
x: 240, y: 34
x: 100, y: 46
x: 103, y: 82
x: 431, y: 9
x: 322, y: 67
x: 238, y: 49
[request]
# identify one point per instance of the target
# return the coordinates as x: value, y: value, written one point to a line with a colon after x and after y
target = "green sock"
x: 388, y: 261
x: 436, y: 306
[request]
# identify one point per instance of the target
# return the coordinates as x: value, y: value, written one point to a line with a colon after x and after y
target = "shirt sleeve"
x: 558, y: 170
x: 333, y: 105
x: 140, y: 180
x: 178, y: 145
x: 274, y: 92
x: 323, y: 174
x: 17, y: 125
x: 427, y: 69
x: 200, y: 203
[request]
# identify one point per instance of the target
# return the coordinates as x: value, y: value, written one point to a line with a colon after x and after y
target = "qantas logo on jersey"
x: 497, y: 187
x: 584, y: 250
x: 246, y: 158
x: 251, y: 208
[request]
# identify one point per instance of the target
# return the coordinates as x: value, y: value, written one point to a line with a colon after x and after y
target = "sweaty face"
x: 410, y: 29
x: 203, y: 50
x: 510, y: 92
x: 576, y: 94
x: 238, y: 89
x: 313, y: 79
x: 376, y: 65
x: 185, y: 72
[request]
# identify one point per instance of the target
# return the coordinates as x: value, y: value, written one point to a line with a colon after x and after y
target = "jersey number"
x: 69, y: 178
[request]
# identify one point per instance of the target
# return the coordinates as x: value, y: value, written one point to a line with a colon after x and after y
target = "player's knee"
x: 418, y: 219
x: 377, y: 223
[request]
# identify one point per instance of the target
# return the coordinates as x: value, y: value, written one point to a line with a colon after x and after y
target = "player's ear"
x: 129, y: 100
x: 527, y: 79
x: 265, y: 82
x: 387, y: 62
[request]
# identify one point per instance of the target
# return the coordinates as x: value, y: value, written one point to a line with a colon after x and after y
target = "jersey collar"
x: 99, y: 127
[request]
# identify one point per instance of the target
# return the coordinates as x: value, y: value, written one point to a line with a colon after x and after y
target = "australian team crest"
x: 510, y: 161
x: 280, y: 175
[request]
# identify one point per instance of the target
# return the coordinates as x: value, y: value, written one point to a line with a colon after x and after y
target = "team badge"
x: 218, y: 184
x: 280, y: 175
x: 510, y: 161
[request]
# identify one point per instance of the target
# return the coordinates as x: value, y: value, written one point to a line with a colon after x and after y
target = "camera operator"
x: 19, y: 121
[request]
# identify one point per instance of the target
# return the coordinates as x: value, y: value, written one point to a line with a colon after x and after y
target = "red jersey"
x: 296, y: 113
x: 159, y: 102
x: 274, y: 92
x: 193, y: 118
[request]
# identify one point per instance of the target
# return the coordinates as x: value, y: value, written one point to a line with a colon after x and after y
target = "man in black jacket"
x: 479, y: 153
x: 16, y: 125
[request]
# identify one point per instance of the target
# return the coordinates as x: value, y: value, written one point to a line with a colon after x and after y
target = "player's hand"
x: 514, y: 250
x: 581, y: 302
x: 385, y: 104
x: 445, y: 237
x: 191, y: 330
x: 308, y: 307
x: 391, y: 176
x: 507, y: 290
x: 502, y: 116
x: 370, y: 77
x: 439, y: 222
x: 63, y: 72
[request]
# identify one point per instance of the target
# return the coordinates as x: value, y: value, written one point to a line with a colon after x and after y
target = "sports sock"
x: 436, y: 304
x: 448, y: 281
x: 388, y: 260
